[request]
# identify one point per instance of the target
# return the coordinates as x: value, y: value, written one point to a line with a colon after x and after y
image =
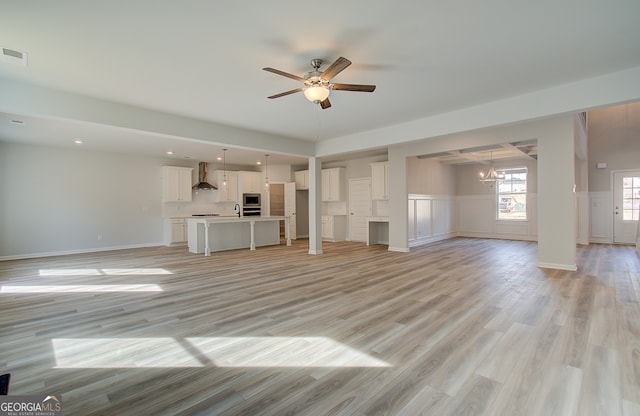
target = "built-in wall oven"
x: 251, y: 205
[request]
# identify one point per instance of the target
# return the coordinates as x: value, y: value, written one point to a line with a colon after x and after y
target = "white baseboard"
x: 80, y: 251
x: 399, y: 249
x: 315, y: 252
x: 431, y: 239
x: 558, y: 266
x: 182, y: 243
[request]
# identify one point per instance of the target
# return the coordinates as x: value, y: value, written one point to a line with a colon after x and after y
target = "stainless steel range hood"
x: 202, y: 179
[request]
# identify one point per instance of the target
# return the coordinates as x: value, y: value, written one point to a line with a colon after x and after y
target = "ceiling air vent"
x: 13, y: 57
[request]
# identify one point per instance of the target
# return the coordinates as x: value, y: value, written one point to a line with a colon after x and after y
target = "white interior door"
x: 290, y: 207
x: 626, y: 206
x: 359, y: 208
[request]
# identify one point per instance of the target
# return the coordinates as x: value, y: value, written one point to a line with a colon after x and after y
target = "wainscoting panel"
x: 423, y: 218
x: 582, y: 208
x: 477, y: 218
x: 443, y: 210
x: 601, y: 215
x: 429, y: 218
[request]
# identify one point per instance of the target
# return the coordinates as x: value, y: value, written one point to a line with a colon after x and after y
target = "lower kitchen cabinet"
x: 334, y: 227
x: 175, y: 231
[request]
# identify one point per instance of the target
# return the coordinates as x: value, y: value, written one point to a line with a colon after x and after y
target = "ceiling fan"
x: 317, y: 84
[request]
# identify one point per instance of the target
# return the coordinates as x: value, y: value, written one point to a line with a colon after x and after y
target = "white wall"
x: 614, y: 139
x: 353, y: 169
x: 428, y: 176
x: 556, y: 133
x: 431, y: 203
x: 476, y: 204
x: 56, y: 201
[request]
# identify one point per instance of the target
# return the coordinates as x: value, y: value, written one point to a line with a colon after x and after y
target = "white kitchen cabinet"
x: 334, y: 227
x: 175, y: 231
x: 176, y: 184
x: 250, y: 182
x: 380, y: 181
x: 228, y: 192
x: 333, y: 184
x: 302, y: 180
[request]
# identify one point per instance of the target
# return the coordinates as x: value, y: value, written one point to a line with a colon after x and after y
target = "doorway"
x: 626, y: 206
x: 282, y: 202
x: 359, y: 208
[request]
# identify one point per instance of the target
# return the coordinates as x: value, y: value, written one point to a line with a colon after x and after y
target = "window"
x: 631, y: 198
x: 512, y: 194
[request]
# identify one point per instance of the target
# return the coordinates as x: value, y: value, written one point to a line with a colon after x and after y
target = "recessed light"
x: 219, y: 158
x: 78, y: 141
x: 187, y: 157
x: 169, y: 152
x: 258, y: 163
x: 16, y: 121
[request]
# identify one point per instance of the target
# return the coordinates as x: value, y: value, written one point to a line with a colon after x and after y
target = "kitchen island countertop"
x: 217, y: 239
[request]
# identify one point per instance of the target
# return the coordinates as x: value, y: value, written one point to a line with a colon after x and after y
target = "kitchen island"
x: 208, y: 234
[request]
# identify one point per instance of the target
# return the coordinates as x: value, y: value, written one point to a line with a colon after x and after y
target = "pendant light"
x: 224, y: 167
x: 492, y: 176
x: 266, y: 172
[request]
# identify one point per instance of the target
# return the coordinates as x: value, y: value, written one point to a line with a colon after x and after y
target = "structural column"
x: 315, y: 206
x: 398, y: 240
x: 556, y: 199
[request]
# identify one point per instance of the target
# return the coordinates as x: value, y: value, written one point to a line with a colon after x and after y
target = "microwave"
x: 250, y: 200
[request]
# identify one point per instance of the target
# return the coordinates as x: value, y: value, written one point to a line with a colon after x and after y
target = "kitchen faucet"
x: 236, y: 208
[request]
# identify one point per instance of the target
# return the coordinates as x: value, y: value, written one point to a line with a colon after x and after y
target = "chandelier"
x: 491, y: 176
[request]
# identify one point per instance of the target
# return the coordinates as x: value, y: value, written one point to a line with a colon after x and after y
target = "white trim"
x: 81, y: 251
x: 595, y: 222
x: 613, y: 202
x: 315, y: 252
x: 558, y: 266
x: 399, y: 249
x: 432, y: 239
x: 514, y: 237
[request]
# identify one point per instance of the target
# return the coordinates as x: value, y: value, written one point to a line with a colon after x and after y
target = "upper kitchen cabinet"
x: 228, y: 192
x: 380, y: 181
x: 332, y: 184
x: 176, y: 184
x: 302, y: 179
x: 250, y: 182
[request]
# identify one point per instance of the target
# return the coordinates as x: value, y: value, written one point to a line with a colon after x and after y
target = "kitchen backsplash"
x: 203, y: 202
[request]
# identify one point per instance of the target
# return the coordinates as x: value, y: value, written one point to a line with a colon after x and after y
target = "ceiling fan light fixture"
x: 316, y: 93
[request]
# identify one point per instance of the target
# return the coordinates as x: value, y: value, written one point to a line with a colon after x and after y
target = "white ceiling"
x: 203, y: 60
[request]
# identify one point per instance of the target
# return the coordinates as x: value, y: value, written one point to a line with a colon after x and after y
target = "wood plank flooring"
x: 460, y: 327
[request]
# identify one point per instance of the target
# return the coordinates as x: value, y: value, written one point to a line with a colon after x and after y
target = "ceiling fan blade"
x: 284, y: 74
x: 325, y: 104
x: 354, y: 87
x: 282, y: 94
x: 335, y: 68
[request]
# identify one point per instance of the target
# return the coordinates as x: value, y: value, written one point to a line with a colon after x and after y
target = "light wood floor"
x: 465, y: 326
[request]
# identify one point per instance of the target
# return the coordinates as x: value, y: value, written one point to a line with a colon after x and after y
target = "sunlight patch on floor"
x: 282, y: 352
x: 121, y: 353
x: 80, y: 288
x: 208, y: 351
